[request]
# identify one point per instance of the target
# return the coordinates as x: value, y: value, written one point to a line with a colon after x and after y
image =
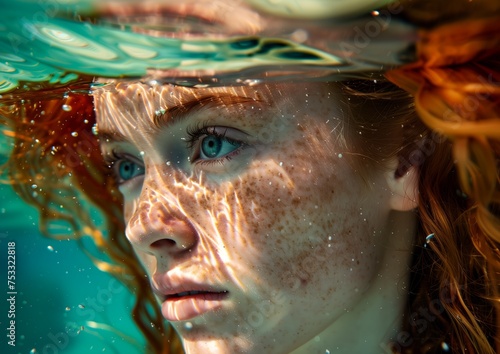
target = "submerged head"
x: 261, y: 217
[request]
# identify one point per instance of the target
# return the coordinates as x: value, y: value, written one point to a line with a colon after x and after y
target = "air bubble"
x: 188, y: 325
x: 80, y: 306
x: 160, y: 112
x: 141, y: 153
x: 66, y: 107
x: 68, y: 308
x: 34, y: 186
x: 168, y: 163
x: 445, y: 346
x: 340, y: 156
x: 74, y: 134
x: 50, y: 248
x: 33, y: 351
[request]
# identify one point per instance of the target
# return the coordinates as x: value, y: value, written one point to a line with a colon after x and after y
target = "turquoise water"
x: 61, y: 296
x: 42, y: 43
x: 64, y: 303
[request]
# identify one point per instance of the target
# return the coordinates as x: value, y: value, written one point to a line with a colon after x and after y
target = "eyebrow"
x: 178, y: 113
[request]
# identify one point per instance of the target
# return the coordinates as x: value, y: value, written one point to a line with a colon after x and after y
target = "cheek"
x: 302, y: 223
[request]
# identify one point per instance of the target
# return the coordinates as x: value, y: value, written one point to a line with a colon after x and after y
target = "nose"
x: 157, y: 229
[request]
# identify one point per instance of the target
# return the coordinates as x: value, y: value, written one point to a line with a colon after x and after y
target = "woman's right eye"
x: 126, y: 170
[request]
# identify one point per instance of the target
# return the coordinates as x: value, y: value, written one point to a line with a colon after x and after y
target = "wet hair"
x: 453, y: 297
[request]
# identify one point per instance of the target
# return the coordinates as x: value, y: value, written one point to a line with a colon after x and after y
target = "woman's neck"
x: 375, y: 321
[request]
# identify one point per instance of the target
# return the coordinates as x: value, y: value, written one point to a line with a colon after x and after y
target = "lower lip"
x: 187, y: 307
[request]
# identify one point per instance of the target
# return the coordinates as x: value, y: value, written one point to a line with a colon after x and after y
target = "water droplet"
x: 299, y: 36
x: 86, y: 121
x: 66, y: 107
x: 34, y: 186
x: 160, y: 111
x: 141, y: 153
x: 281, y: 163
x: 340, y: 156
x: 445, y: 346
x: 168, y: 163
x: 50, y: 248
x: 188, y: 325
x: 74, y: 134
x: 428, y: 239
x: 80, y: 306
x: 33, y: 351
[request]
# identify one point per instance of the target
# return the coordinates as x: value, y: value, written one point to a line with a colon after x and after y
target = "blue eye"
x: 213, y: 146
x: 128, y: 169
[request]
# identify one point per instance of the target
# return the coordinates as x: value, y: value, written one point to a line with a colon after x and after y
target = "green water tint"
x: 40, y: 43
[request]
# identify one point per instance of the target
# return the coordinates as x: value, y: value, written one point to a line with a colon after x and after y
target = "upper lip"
x: 165, y: 286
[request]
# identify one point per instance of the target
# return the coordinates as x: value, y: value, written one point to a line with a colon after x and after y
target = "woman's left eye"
x: 213, y: 144
x: 213, y: 147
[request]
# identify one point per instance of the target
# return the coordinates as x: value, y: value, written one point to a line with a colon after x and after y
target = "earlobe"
x: 403, y: 188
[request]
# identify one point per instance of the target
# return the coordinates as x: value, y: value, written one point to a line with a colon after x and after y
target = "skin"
x: 313, y: 253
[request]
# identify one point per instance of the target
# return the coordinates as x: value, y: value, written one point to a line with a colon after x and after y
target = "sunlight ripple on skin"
x: 269, y: 225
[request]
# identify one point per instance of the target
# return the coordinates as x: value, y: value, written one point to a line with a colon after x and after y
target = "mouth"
x: 183, y: 299
x: 187, y: 305
x: 201, y: 294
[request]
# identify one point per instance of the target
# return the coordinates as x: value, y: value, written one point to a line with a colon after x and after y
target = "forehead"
x: 143, y: 103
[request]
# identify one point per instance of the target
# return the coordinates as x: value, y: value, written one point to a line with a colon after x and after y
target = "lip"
x: 184, y: 299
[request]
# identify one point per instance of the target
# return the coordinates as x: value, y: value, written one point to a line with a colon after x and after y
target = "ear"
x: 403, y: 187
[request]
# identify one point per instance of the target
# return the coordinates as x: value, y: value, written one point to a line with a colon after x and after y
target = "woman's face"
x: 245, y: 208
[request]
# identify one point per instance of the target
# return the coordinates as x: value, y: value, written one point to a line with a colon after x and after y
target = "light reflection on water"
x: 45, y: 44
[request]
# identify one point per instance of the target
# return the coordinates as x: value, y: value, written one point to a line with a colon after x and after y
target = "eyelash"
x: 195, y: 132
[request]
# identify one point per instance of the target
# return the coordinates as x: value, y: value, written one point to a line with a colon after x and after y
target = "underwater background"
x: 64, y: 304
